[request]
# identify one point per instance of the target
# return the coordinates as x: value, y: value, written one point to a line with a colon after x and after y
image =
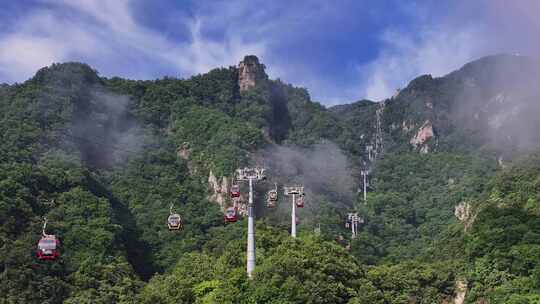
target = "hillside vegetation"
x: 452, y: 208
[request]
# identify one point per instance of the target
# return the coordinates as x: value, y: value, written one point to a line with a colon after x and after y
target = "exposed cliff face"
x: 184, y: 151
x: 218, y: 190
x: 461, y: 292
x: 422, y: 136
x: 219, y: 194
x: 250, y: 71
x: 463, y: 212
x: 489, y: 103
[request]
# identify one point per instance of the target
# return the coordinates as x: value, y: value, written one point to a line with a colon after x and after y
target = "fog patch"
x: 104, y: 129
x: 500, y: 100
x: 323, y: 170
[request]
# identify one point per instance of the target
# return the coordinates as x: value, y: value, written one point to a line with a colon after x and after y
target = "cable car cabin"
x: 235, y: 191
x: 272, y: 198
x: 174, y: 221
x: 48, y: 248
x: 300, y: 201
x: 230, y: 215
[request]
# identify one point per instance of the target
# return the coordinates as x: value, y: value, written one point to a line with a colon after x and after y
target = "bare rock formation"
x: 422, y: 136
x: 250, y: 71
x: 407, y: 126
x: 463, y: 212
x: 461, y: 292
x: 184, y: 151
x: 218, y: 190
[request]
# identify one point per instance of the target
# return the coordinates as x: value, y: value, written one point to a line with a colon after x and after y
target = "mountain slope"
x: 103, y: 159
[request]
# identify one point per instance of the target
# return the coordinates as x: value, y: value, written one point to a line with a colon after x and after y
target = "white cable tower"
x: 250, y: 175
x: 293, y: 191
x: 364, y: 176
x: 353, y: 220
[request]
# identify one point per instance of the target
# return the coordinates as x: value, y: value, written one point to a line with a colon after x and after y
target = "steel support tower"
x: 353, y: 219
x: 250, y: 175
x: 293, y: 191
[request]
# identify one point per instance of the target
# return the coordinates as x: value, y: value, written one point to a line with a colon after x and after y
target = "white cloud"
x: 443, y: 44
x: 39, y: 41
x: 106, y: 35
x: 203, y: 54
x: 404, y: 57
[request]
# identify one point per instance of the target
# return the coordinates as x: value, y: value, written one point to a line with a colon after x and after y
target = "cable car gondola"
x: 235, y: 191
x: 48, y: 247
x: 272, y: 197
x: 300, y: 201
x: 174, y: 221
x: 230, y: 215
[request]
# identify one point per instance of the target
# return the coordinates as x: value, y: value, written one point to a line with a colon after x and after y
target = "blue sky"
x: 341, y: 51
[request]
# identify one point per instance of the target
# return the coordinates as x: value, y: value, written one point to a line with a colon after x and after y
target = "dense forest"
x: 451, y: 213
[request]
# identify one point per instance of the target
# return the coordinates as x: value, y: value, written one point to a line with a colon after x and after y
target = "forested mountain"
x: 452, y: 212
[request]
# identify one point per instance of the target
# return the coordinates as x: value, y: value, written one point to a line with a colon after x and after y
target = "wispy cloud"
x: 341, y: 53
x: 467, y: 31
x: 108, y: 36
x: 404, y: 56
x: 105, y: 34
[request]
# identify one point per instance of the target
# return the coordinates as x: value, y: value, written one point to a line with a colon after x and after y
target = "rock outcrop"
x: 184, y: 151
x: 461, y: 292
x: 407, y: 126
x: 422, y: 136
x: 250, y: 71
x: 464, y: 214
x: 219, y: 189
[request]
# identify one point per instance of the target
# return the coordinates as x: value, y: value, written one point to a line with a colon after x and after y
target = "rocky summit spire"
x: 250, y: 71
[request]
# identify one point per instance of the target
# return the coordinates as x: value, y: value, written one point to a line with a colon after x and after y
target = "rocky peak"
x: 250, y: 71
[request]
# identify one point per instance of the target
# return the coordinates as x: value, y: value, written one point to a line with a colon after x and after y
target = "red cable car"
x: 300, y: 201
x: 230, y: 215
x: 48, y: 248
x: 235, y: 191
